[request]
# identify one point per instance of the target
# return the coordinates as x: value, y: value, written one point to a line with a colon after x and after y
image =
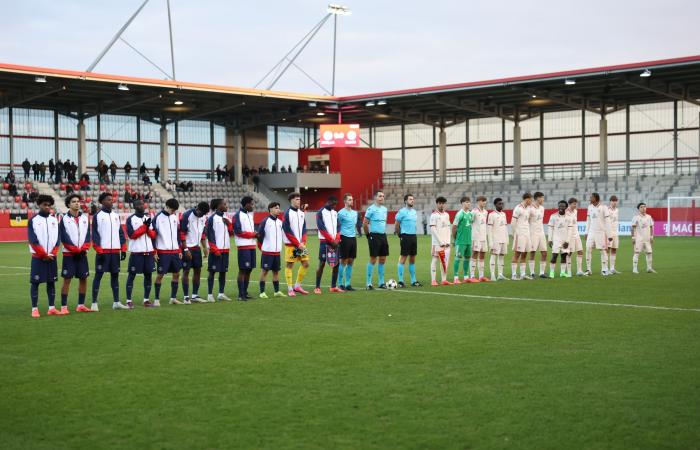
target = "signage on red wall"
x: 340, y: 135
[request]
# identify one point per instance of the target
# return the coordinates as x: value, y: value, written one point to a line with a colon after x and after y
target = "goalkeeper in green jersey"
x: 462, y: 236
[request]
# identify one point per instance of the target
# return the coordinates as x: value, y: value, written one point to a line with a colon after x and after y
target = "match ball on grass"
x: 391, y: 284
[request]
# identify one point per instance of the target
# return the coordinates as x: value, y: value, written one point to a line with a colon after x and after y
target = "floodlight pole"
x: 172, y: 49
x: 335, y: 33
x: 117, y: 36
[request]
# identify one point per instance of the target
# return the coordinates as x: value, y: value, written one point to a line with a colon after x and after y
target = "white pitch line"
x: 14, y: 267
x: 549, y: 300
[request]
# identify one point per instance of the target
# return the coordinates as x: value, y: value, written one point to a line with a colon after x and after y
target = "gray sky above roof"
x: 383, y: 45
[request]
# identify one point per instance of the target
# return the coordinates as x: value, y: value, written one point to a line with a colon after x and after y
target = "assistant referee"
x: 374, y: 225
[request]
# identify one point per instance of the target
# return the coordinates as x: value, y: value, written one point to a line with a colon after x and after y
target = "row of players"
x: 477, y: 231
x: 173, y: 244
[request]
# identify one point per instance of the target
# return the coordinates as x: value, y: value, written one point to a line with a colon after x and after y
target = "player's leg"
x: 261, y: 283
x: 96, y: 288
x: 501, y: 262
x: 334, y: 276
x: 444, y: 262
x: 114, y: 283
x: 64, y: 291
x: 531, y: 263
x: 457, y: 261
x: 648, y: 249
x: 196, y: 276
x: 543, y: 262
x: 433, y: 266
x: 186, y: 282
x: 349, y: 264
x: 370, y: 268
x: 289, y: 270
x: 590, y: 244
x: 82, y: 290
x: 380, y: 270
x: 276, y: 282
x: 322, y: 249
x: 472, y: 264
x: 553, y: 264
x: 301, y: 274
x: 564, y: 265
x: 412, y: 270
x: 492, y: 264
x: 131, y: 276
x: 400, y: 265
x: 157, y: 284
x: 174, y: 284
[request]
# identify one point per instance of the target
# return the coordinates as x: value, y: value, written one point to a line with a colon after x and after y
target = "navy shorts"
x: 43, y: 271
x: 141, y: 263
x: 169, y: 263
x: 107, y: 262
x: 217, y: 263
x: 270, y: 262
x: 195, y: 262
x: 323, y: 250
x: 75, y: 267
x: 246, y: 259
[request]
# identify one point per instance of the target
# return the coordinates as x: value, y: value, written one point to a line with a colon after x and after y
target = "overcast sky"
x: 383, y: 45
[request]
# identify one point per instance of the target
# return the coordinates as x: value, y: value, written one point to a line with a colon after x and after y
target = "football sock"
x: 492, y: 266
x: 341, y: 274
x: 276, y: 285
x: 318, y: 278
x: 455, y: 267
x: 501, y: 263
x: 157, y: 285
x: 481, y: 268
x: 649, y: 261
x: 399, y: 270
x: 532, y: 265
x: 262, y: 286
x: 288, y: 273
x: 444, y: 262
x: 147, y: 283
x: 472, y: 266
x: 34, y: 293
x: 604, y: 261
x: 114, y: 281
x: 186, y: 286
x: 589, y: 256
x: 210, y: 283
x: 433, y: 268
x: 613, y: 257
x: 81, y: 298
x: 96, y: 285
x: 300, y: 275
x: 412, y: 272
x: 195, y: 288
x: 370, y: 269
x: 173, y: 289
x: 380, y: 273
x: 130, y: 284
x: 579, y: 262
x: 522, y: 269
x: 64, y: 299
x: 635, y: 261
x: 348, y: 275
x: 513, y: 268
x: 334, y: 276
x: 222, y: 282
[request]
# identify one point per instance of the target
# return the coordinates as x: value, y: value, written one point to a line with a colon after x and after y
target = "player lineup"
x: 168, y: 243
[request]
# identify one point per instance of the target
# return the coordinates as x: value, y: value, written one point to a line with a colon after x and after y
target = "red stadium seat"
x: 76, y: 186
x: 120, y: 206
x: 28, y: 186
x: 63, y: 187
x: 88, y: 199
x: 18, y: 198
x: 23, y: 205
x: 6, y: 185
x: 103, y: 187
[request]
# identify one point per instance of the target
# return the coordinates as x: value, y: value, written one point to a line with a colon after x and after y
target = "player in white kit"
x: 575, y: 245
x: 520, y: 223
x: 598, y: 234
x: 440, y: 230
x: 497, y: 225
x: 479, y: 243
x: 642, y: 237
x: 538, y: 241
x: 560, y: 233
x: 614, y: 225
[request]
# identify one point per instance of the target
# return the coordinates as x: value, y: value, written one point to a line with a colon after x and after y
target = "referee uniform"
x: 378, y: 244
x: 407, y: 217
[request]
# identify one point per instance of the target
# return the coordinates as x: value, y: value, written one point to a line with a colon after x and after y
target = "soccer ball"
x: 391, y: 284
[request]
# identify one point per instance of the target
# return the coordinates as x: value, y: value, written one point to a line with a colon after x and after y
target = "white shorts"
x: 615, y: 242
x: 538, y: 243
x: 640, y: 247
x: 557, y: 247
x: 499, y: 248
x: 436, y: 250
x: 480, y: 246
x: 521, y: 243
x: 576, y: 245
x: 597, y: 240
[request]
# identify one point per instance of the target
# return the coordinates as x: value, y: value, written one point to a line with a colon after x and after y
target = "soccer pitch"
x: 565, y: 363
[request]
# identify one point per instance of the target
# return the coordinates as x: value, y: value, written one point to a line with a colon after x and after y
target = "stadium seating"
x: 653, y: 190
x: 94, y: 189
x: 205, y: 191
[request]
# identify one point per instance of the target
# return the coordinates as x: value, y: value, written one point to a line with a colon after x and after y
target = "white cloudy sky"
x: 383, y: 45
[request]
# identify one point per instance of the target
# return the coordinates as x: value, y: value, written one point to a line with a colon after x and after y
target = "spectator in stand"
x: 52, y: 169
x: 274, y: 167
x: 232, y: 174
x: 69, y: 189
x: 224, y: 173
x: 113, y: 170
x: 127, y: 198
x: 84, y: 183
x: 218, y: 172
x: 33, y: 195
x: 127, y: 171
x: 59, y: 172
x: 169, y: 186
x: 35, y: 170
x: 42, y: 172
x: 142, y: 170
x: 147, y: 196
x: 256, y: 182
x: 156, y: 173
x: 299, y: 169
x: 12, y: 190
x: 289, y: 169
x: 190, y: 186
x: 25, y: 197
x: 10, y: 177
x: 26, y: 165
x: 284, y: 169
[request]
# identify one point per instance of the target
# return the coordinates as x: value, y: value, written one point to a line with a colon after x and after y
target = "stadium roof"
x: 599, y: 89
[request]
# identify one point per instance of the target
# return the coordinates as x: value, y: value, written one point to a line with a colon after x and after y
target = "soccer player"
x: 642, y: 237
x: 348, y: 221
x: 462, y: 237
x: 139, y: 229
x: 538, y: 240
x: 440, y: 232
x: 270, y: 244
x: 374, y: 225
x: 614, y: 225
x: 110, y: 244
x: 329, y: 238
x: 405, y: 228
x: 479, y: 240
x: 575, y: 245
x: 192, y: 234
x: 44, y: 242
x: 520, y: 222
x: 560, y: 232
x: 219, y: 230
x: 169, y: 249
x: 598, y: 233
x: 497, y: 226
x: 294, y: 227
x: 246, y: 241
x: 74, y: 231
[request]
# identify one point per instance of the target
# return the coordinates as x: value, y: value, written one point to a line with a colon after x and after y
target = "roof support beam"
x: 476, y: 108
x: 665, y: 89
x: 23, y: 99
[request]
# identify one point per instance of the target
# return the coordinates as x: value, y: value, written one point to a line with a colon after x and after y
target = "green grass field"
x: 545, y: 364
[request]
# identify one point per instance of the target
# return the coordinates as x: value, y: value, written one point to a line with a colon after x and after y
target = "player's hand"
x: 302, y: 246
x: 83, y: 253
x: 188, y: 255
x: 155, y: 257
x: 205, y: 252
x: 147, y: 221
x: 226, y: 222
x: 179, y: 255
x: 122, y: 256
x: 48, y: 257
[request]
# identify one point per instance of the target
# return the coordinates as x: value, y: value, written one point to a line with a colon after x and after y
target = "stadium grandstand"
x: 631, y: 129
